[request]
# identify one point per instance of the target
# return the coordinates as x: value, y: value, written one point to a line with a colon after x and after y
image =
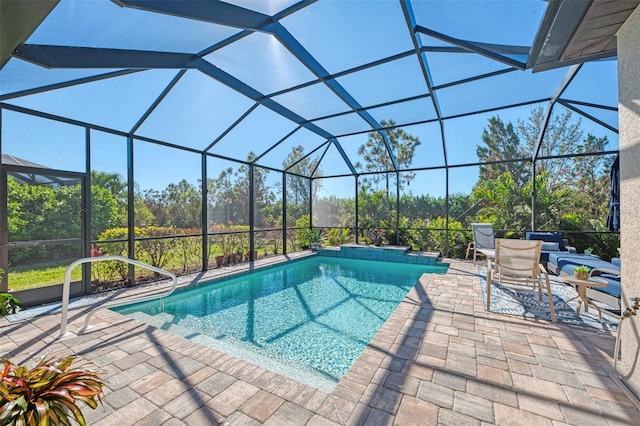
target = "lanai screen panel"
x: 167, y: 188
x: 226, y: 180
x: 333, y: 204
x: 334, y: 163
x: 42, y: 142
x: 342, y: 34
x: 596, y: 102
x: 253, y: 136
x: 21, y: 76
x: 103, y: 24
x: 588, y: 176
x: 299, y: 198
x: 490, y: 136
x: 116, y: 103
x: 428, y: 152
x: 462, y: 207
x: 498, y: 22
x: 298, y: 152
x: 313, y: 101
x: 262, y: 62
x: 109, y: 183
x: 195, y: 112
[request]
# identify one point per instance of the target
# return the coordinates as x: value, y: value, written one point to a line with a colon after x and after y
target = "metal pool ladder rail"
x: 67, y: 284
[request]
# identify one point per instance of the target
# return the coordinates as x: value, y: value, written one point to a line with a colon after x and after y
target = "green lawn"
x: 50, y: 273
x: 40, y: 275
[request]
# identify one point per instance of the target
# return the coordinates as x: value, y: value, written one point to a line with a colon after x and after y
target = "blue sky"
x: 339, y: 34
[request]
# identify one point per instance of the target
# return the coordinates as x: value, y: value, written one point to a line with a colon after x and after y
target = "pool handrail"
x: 67, y: 284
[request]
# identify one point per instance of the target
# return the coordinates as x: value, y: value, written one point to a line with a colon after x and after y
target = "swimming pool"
x: 308, y: 319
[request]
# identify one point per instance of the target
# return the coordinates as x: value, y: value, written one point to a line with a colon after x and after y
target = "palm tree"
x: 508, y: 205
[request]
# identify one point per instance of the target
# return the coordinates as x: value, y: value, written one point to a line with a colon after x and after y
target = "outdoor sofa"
x: 563, y: 263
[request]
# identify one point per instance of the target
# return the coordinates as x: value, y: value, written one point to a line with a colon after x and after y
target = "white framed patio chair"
x: 517, y: 265
x: 483, y: 241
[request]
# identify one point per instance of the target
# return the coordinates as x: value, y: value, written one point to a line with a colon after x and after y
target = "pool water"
x: 308, y: 319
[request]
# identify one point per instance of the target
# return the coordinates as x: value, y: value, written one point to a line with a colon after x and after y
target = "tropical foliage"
x: 338, y: 236
x: 48, y: 393
x: 571, y: 191
x: 9, y: 304
x: 303, y: 231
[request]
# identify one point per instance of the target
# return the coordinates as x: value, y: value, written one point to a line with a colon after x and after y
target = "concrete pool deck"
x: 439, y: 359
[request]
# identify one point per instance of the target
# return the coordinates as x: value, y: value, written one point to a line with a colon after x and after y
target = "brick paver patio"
x: 439, y: 359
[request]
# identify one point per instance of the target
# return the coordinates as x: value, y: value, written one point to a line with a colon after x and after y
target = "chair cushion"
x: 548, y: 237
x: 547, y: 246
x: 613, y: 288
x: 567, y: 262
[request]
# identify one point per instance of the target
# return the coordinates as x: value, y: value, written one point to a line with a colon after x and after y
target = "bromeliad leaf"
x: 76, y: 412
x: 47, y: 394
x: 59, y: 394
x: 42, y: 409
x: 71, y: 377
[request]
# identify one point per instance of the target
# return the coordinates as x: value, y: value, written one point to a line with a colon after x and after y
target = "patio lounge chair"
x: 483, y: 240
x: 517, y: 264
x: 563, y: 263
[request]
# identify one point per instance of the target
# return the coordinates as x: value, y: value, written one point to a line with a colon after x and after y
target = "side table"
x: 581, y: 287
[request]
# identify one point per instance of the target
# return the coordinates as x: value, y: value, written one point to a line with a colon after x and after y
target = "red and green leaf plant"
x: 47, y: 394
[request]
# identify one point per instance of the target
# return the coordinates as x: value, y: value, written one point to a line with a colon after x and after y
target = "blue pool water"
x: 308, y: 319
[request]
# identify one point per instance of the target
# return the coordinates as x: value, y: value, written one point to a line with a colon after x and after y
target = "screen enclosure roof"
x: 252, y: 80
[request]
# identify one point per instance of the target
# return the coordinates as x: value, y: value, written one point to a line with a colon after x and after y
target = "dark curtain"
x: 613, y: 219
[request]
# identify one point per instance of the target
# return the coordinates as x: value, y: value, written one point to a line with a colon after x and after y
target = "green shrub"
x: 397, y: 235
x: 113, y: 270
x: 338, y: 236
x: 189, y: 250
x: 303, y: 235
x: 156, y: 251
x: 419, y: 234
x: 316, y: 235
x: 8, y: 303
x: 438, y: 238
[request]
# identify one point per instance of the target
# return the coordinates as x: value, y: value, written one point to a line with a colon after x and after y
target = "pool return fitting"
x: 629, y: 312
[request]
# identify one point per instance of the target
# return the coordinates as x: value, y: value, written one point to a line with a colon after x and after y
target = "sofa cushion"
x: 550, y: 237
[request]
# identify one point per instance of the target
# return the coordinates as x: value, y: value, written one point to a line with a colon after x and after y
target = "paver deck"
x: 439, y: 359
